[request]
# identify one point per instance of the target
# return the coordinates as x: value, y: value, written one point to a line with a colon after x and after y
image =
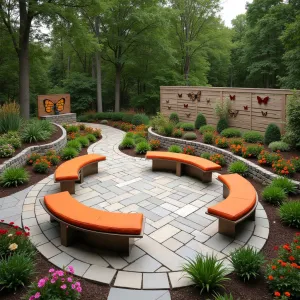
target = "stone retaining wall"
x: 61, y: 119
x: 262, y: 175
x: 20, y: 159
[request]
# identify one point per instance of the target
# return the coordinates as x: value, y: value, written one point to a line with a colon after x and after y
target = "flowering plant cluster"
x: 221, y: 142
x: 236, y: 149
x: 178, y: 132
x: 126, y: 126
x: 41, y: 165
x: 218, y: 159
x: 284, y: 167
x: 72, y: 136
x: 89, y: 130
x: 189, y: 150
x: 268, y: 158
x: 58, y: 284
x: 283, y: 273
x: 32, y: 158
x: 6, y: 150
x: 154, y: 144
x: 252, y: 151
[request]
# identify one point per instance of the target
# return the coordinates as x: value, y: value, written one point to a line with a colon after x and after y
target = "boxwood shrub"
x: 253, y: 137
x: 231, y: 132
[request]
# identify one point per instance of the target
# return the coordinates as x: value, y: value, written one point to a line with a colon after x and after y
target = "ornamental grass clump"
x: 91, y: 138
x: 231, y: 133
x: 274, y: 195
x: 14, y: 177
x: 127, y: 143
x: 206, y: 272
x: 142, y: 147
x: 83, y: 141
x: 289, y: 213
x: 247, y: 262
x: 238, y: 167
x: 205, y: 155
x: 286, y: 184
x: 10, y: 119
x: 68, y: 153
x: 75, y: 144
x: 279, y: 146
x: 58, y: 284
x: 175, y: 149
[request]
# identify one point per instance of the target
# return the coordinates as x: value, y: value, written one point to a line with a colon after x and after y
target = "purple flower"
x: 63, y: 287
x: 51, y: 270
x: 71, y: 269
x: 69, y: 279
x: 37, y: 295
x: 41, y: 283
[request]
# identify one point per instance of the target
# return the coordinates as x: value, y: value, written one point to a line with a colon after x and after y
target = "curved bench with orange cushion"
x: 106, y: 229
x: 75, y: 170
x: 240, y: 203
x: 183, y: 163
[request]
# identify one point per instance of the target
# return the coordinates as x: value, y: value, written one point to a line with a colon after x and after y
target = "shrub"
x: 53, y: 159
x: 221, y: 108
x: 6, y: 150
x: 127, y: 118
x: 174, y: 118
x: 206, y: 272
x: 83, y: 141
x: 34, y: 132
x: 142, y: 147
x: 175, y: 149
x: 237, y: 149
x: 222, y: 125
x: 283, y: 167
x: 32, y: 158
x: 117, y: 116
x: 178, y: 125
x: 238, y: 167
x: 279, y: 146
x: 200, y: 121
x: 158, y: 121
x: 10, y: 119
x: 208, y: 138
x: 82, y: 126
x: 72, y: 128
x: 127, y: 143
x: 41, y: 165
x: 97, y: 133
x: 206, y: 128
x: 103, y: 115
x: 75, y: 144
x: 274, y: 195
x: 91, y: 138
x: 221, y: 142
x: 139, y: 139
x: 16, y: 271
x: 139, y: 119
x: 286, y: 184
x: 178, y: 133
x: 268, y: 159
x: 68, y: 153
x: 129, y: 134
x: 289, y: 213
x: 190, y: 136
x: 187, y: 126
x: 253, y: 137
x: 272, y: 134
x: 231, y: 132
x: 104, y: 122
x: 189, y: 150
x: 154, y: 144
x: 46, y: 126
x: 168, y: 129
x: 218, y: 159
x: 14, y: 177
x: 206, y: 155
x: 296, y: 162
x: 290, y: 252
x: 236, y: 141
x: 83, y: 118
x: 247, y: 262
x: 252, y: 151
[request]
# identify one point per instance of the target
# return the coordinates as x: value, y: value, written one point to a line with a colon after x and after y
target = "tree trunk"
x: 118, y: 87
x: 187, y: 69
x: 99, y: 82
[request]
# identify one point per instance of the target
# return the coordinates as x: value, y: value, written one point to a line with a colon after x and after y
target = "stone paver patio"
x: 177, y: 227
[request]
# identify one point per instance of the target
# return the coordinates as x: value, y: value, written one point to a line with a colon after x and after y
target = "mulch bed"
x: 55, y: 136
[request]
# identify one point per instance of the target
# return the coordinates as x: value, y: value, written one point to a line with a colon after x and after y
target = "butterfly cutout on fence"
x: 167, y: 101
x: 233, y: 113
x: 198, y: 96
x: 180, y: 95
x: 188, y: 115
x: 261, y: 100
x: 169, y: 107
x: 207, y: 100
x: 246, y: 107
x: 232, y: 97
x: 53, y: 107
x: 264, y: 114
x: 185, y: 105
x: 192, y: 96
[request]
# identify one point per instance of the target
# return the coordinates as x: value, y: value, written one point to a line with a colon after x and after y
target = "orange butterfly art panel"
x: 53, y: 104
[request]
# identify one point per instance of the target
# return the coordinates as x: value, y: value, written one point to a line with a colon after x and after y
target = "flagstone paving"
x: 177, y: 227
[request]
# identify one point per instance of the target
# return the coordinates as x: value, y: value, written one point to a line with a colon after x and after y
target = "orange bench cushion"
x: 68, y: 209
x: 241, y: 198
x: 202, y: 163
x: 69, y: 170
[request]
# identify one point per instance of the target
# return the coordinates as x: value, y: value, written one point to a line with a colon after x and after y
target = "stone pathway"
x: 177, y: 227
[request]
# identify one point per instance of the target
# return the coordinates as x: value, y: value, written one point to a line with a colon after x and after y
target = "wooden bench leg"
x: 68, y: 186
x: 66, y: 235
x: 227, y: 227
x: 90, y: 169
x: 196, y: 172
x: 178, y: 169
x: 225, y: 191
x: 206, y: 177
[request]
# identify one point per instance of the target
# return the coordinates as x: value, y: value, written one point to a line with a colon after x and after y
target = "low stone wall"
x: 61, y: 119
x: 262, y: 175
x: 20, y: 159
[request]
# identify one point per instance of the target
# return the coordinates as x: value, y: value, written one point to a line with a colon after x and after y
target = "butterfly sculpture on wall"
x: 180, y: 95
x: 246, y: 107
x: 261, y: 100
x: 193, y: 96
x: 57, y: 107
x: 233, y: 113
x: 167, y: 101
x: 264, y: 114
x: 232, y: 98
x: 188, y: 115
x: 185, y: 105
x: 169, y: 107
x: 207, y: 100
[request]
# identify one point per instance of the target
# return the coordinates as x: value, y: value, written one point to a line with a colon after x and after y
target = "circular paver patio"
x: 177, y: 227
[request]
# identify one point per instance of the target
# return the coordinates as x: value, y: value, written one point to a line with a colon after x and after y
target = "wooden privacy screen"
x: 47, y: 103
x: 251, y: 109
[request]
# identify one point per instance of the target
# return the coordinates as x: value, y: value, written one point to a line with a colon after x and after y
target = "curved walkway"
x: 177, y: 227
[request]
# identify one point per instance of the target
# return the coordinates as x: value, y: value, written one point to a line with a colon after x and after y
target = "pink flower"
x: 53, y: 280
x: 71, y: 269
x: 63, y: 287
x: 77, y: 283
x: 60, y: 273
x: 37, y: 295
x: 73, y: 286
x: 79, y: 289
x: 31, y: 298
x: 51, y: 270
x: 69, y: 279
x: 41, y: 283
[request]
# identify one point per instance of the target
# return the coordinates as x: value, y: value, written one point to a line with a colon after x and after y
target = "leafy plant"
x: 238, y: 167
x: 286, y: 184
x: 46, y: 126
x: 178, y: 133
x: 72, y: 128
x: 237, y: 149
x: 272, y: 134
x: 206, y: 128
x: 91, y: 138
x: 32, y: 158
x: 190, y: 136
x: 178, y: 125
x: 189, y: 150
x: 218, y: 159
x: 75, y: 144
x: 82, y: 126
x: 139, y: 119
x: 154, y: 144
x: 83, y: 141
x: 33, y: 131
x: 252, y: 151
x: 127, y: 143
x: 158, y: 121
x: 221, y: 109
x: 206, y: 272
x: 41, y: 166
x: 247, y: 262
x: 14, y: 177
x: 187, y: 126
x: 174, y: 118
x: 208, y: 138
x: 168, y: 129
x: 221, y: 142
x: 68, y: 153
x: 54, y: 159
x: 200, y: 121
x: 253, y: 137
x: 289, y: 213
x: 283, y: 167
x: 279, y: 146
x: 296, y: 163
x: 223, y: 297
x: 6, y: 150
x: 175, y: 149
x: 206, y: 155
x: 268, y: 158
x: 274, y: 195
x: 127, y: 118
x: 236, y: 141
x: 117, y: 116
x: 129, y: 134
x: 10, y: 119
x: 222, y: 125
x: 231, y: 132
x: 142, y: 147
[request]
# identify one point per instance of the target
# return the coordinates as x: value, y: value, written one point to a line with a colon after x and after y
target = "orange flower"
x: 277, y: 294
x: 274, y: 267
x: 292, y: 258
x: 271, y: 277
x: 283, y: 264
x: 287, y: 294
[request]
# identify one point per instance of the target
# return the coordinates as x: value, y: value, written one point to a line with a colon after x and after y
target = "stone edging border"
x: 20, y: 159
x: 255, y: 171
